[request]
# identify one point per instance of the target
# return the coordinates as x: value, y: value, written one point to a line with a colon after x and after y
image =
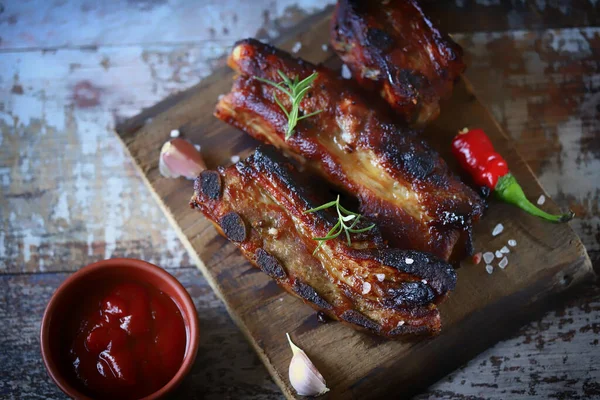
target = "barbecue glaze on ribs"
x: 259, y: 205
x: 402, y: 183
x: 394, y: 49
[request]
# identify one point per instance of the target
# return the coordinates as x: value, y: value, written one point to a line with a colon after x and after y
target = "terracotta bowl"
x: 74, y: 288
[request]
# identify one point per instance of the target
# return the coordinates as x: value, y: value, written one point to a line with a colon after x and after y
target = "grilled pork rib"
x: 393, y: 48
x: 402, y: 184
x: 259, y: 205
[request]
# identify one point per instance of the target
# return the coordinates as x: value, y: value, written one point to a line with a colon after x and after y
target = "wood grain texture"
x: 548, y: 260
x: 55, y: 214
x: 83, y: 205
x: 513, y: 369
x: 180, y: 21
x: 157, y: 21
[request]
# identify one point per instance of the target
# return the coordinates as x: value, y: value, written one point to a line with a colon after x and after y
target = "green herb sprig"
x: 295, y: 91
x: 344, y: 216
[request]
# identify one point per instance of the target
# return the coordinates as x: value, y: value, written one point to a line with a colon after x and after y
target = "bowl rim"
x: 187, y: 307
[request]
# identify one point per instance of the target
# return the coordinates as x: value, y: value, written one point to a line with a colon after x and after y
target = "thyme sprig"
x: 295, y: 90
x: 344, y: 216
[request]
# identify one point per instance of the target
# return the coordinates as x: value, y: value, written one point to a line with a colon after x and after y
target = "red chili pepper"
x: 476, y: 154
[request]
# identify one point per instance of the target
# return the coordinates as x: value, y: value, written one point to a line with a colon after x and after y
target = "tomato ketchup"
x: 127, y: 341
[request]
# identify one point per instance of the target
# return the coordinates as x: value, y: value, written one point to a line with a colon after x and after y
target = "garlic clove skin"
x: 178, y: 157
x: 304, y: 376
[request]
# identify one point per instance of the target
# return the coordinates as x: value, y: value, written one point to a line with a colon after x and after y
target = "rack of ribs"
x: 394, y: 49
x: 402, y: 184
x: 260, y: 205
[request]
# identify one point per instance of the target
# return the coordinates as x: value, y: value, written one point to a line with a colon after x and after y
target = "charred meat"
x: 260, y: 206
x: 402, y: 183
x: 393, y: 48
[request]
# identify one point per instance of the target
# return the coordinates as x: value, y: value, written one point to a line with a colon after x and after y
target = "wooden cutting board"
x: 548, y: 260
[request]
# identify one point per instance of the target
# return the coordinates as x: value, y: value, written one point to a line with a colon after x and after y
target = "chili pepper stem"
x: 509, y: 190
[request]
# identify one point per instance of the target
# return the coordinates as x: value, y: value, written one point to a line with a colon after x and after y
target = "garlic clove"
x: 178, y: 157
x: 304, y: 376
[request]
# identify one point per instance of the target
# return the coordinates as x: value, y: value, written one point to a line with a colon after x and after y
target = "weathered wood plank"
x: 85, y: 203
x: 51, y: 24
x: 555, y: 357
x: 80, y: 206
x: 44, y: 25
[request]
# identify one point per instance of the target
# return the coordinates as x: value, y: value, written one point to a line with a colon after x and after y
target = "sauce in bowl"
x: 126, y: 340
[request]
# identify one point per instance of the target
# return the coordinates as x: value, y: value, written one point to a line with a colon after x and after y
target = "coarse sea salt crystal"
x: 324, y: 47
x: 297, y: 47
x: 346, y: 73
x: 273, y: 231
x: 175, y: 133
x: 497, y: 230
x: 366, y: 287
x: 409, y: 260
x: 424, y: 281
x: 489, y: 269
x: 541, y: 200
x: 512, y: 242
x: 503, y: 263
x: 235, y: 159
x: 499, y: 254
x: 488, y: 257
x: 197, y: 146
x: 400, y: 323
x: 380, y: 277
x: 505, y: 250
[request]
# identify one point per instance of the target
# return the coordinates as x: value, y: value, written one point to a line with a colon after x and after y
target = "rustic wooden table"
x: 69, y: 70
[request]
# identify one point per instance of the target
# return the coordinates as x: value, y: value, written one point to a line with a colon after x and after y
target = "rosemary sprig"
x: 343, y: 217
x: 295, y: 91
